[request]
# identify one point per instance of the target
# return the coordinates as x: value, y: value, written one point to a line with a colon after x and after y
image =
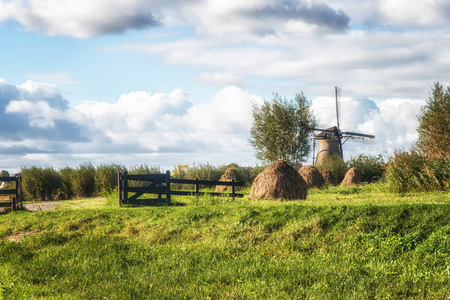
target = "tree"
x: 434, y: 123
x: 281, y: 129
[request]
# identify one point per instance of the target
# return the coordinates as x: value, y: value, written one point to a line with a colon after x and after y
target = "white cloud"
x: 393, y: 122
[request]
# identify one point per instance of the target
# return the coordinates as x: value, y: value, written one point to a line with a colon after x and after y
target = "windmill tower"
x: 330, y: 139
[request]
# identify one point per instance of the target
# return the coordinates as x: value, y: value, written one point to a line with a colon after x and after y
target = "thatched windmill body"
x: 331, y: 139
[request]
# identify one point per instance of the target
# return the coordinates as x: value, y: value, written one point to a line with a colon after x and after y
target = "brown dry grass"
x: 312, y: 176
x: 328, y: 177
x: 279, y: 181
x: 229, y: 175
x: 352, y: 177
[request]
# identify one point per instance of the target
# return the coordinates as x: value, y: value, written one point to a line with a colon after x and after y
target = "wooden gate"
x: 158, y: 184
x: 15, y: 194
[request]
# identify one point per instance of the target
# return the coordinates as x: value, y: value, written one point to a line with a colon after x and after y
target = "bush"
x: 205, y: 172
x: 66, y: 190
x: 336, y: 165
x: 106, y: 177
x: 413, y: 171
x: 84, y: 180
x: 371, y: 167
x: 40, y: 183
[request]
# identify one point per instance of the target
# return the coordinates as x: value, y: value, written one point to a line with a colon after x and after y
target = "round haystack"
x: 352, y: 177
x: 328, y: 177
x: 279, y: 181
x: 312, y: 176
x: 229, y: 175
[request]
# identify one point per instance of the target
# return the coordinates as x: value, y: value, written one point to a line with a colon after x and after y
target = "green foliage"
x: 228, y: 250
x: 67, y: 190
x: 371, y: 167
x: 205, y: 172
x: 40, y: 183
x: 434, y: 127
x: 413, y: 171
x: 106, y: 177
x: 281, y: 129
x: 336, y: 165
x: 84, y: 180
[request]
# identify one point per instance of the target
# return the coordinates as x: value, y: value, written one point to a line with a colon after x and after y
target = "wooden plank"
x: 144, y: 190
x: 8, y: 178
x: 144, y: 177
x: 148, y: 189
x: 206, y: 182
x: 5, y: 204
x: 7, y: 192
x: 188, y: 193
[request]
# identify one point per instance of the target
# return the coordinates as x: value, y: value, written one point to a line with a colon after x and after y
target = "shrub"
x: 106, y: 177
x: 413, y: 171
x: 40, y: 183
x: 66, y: 191
x: 204, y: 172
x: 371, y: 167
x: 84, y: 180
x: 336, y: 165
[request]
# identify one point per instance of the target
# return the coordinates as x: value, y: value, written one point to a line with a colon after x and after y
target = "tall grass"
x: 412, y: 171
x: 335, y: 245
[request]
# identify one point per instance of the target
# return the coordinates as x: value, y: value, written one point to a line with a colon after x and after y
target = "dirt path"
x: 42, y: 206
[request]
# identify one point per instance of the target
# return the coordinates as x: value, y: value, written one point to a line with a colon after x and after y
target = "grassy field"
x: 341, y: 243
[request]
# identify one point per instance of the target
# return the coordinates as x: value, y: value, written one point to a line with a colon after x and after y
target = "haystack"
x: 328, y: 177
x: 229, y: 175
x: 279, y: 181
x: 312, y: 176
x: 352, y: 177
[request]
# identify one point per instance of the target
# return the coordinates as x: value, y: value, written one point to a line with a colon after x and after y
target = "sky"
x: 168, y: 82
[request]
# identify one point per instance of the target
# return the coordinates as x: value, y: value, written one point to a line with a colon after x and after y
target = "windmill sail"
x: 330, y: 139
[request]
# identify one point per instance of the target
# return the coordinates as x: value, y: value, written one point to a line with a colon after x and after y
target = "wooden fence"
x: 160, y: 184
x: 15, y: 195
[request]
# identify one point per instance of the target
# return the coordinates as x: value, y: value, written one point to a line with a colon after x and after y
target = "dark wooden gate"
x: 158, y: 184
x: 15, y: 194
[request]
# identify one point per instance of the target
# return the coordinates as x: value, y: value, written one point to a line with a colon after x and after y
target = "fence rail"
x: 160, y: 184
x: 15, y: 202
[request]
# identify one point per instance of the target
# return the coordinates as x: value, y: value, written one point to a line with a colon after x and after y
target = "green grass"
x: 342, y: 243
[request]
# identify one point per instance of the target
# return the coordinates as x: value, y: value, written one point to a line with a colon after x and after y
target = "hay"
x: 312, y: 176
x: 229, y: 175
x: 352, y: 177
x: 278, y: 181
x: 328, y: 177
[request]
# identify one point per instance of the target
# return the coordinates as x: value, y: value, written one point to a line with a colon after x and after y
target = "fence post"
x: 119, y: 187
x: 232, y: 188
x: 125, y: 187
x: 196, y: 187
x: 168, y: 186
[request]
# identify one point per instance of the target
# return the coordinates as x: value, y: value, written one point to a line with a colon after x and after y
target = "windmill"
x: 331, y: 139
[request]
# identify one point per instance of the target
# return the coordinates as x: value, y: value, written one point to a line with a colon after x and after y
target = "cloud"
x: 137, y: 123
x: 393, y: 122
x: 82, y: 18
x: 313, y: 13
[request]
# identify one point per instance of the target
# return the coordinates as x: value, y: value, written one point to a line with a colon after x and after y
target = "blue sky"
x: 173, y: 82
